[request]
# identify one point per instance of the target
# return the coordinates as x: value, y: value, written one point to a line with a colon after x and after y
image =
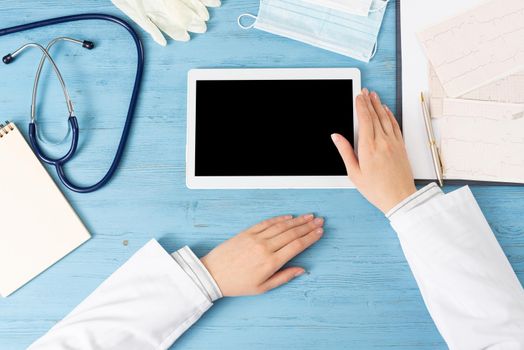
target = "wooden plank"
x: 358, y: 292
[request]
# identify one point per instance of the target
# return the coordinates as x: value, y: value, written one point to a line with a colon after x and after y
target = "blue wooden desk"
x: 358, y: 293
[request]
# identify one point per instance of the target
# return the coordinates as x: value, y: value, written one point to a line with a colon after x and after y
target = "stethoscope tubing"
x: 59, y: 163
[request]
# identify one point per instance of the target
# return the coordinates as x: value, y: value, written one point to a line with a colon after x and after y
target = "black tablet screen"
x: 271, y: 127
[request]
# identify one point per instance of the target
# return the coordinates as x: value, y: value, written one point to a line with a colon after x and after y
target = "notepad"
x: 38, y: 226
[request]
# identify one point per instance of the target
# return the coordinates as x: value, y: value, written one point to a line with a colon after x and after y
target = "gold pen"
x: 437, y: 162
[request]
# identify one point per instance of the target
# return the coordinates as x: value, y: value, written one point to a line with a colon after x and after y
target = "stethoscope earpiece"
x: 7, y: 58
x: 88, y: 45
x: 47, y: 56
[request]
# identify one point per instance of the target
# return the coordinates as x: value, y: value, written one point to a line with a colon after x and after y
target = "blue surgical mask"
x: 347, y: 34
x: 354, y: 7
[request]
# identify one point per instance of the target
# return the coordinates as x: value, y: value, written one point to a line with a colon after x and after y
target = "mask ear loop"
x: 375, y: 49
x: 248, y: 15
x: 386, y: 2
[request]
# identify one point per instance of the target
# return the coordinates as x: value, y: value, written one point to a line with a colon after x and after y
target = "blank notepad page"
x: 39, y: 227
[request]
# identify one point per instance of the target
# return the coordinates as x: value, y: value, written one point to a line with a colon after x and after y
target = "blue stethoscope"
x: 59, y: 163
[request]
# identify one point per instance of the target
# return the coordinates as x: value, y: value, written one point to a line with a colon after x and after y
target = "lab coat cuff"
x: 416, y: 199
x: 198, y: 273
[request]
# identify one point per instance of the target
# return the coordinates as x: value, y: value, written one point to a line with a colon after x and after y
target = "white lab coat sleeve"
x: 146, y: 304
x: 194, y: 268
x: 467, y: 283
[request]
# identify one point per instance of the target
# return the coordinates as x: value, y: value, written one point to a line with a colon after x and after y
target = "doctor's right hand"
x: 381, y: 172
x: 251, y: 262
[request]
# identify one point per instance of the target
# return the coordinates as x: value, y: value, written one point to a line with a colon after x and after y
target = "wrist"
x: 418, y: 198
x: 399, y: 197
x: 208, y: 265
x: 204, y: 262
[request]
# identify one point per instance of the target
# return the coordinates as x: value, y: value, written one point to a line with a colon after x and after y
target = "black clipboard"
x: 400, y: 118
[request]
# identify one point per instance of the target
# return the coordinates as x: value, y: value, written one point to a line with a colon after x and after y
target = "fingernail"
x: 308, y: 216
x: 319, y: 231
x: 319, y: 221
x: 386, y: 108
x: 365, y: 91
x: 374, y: 95
x: 288, y: 217
x: 335, y: 138
x: 300, y: 273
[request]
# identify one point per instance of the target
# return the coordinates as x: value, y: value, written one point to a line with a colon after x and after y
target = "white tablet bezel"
x: 262, y: 182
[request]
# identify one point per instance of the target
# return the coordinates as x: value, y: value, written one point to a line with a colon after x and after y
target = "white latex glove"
x: 174, y: 17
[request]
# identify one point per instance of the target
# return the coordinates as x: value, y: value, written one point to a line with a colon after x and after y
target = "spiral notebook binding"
x: 5, y: 129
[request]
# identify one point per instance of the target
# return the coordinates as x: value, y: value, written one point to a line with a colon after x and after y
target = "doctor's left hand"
x: 251, y: 262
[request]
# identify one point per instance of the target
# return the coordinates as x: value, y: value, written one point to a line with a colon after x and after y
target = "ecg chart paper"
x: 477, y: 47
x: 482, y: 141
x: 508, y: 90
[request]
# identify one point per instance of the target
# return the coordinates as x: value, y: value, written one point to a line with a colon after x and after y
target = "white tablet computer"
x: 269, y: 128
